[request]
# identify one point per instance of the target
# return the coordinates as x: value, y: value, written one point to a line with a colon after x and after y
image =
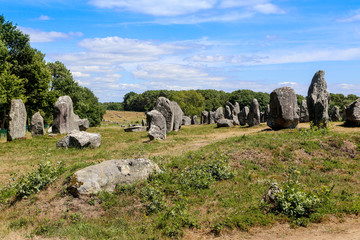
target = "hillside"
x: 185, y: 201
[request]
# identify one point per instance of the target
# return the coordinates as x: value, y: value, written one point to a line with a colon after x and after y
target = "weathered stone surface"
x: 228, y: 112
x: 353, y: 113
x: 204, y: 117
x: 157, y: 125
x: 335, y: 114
x: 304, y: 113
x: 143, y: 122
x: 318, y: 100
x: 254, y: 114
x: 17, y: 120
x: 164, y: 106
x: 135, y: 128
x: 219, y: 113
x: 224, y: 123
x: 37, y: 125
x: 186, y: 120
x: 267, y: 113
x: 194, y: 120
x: 283, y: 107
x: 262, y: 117
x: 212, y: 117
x: 80, y: 139
x: 64, y: 117
x: 106, y: 175
x: 178, y: 115
x: 83, y: 124
x: 243, y: 116
x: 270, y: 195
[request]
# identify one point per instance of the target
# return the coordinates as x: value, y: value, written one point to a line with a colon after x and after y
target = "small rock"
x: 224, y: 123
x: 79, y: 139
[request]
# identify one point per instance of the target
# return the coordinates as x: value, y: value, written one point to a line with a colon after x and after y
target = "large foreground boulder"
x: 17, y: 120
x: 224, y: 123
x: 157, y: 125
x: 353, y: 113
x: 106, y: 175
x: 283, y: 107
x: 65, y: 120
x: 37, y: 125
x: 165, y: 107
x: 79, y: 139
x: 318, y: 100
x: 253, y: 118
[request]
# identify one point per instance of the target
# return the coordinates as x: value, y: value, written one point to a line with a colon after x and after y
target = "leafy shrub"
x: 31, y: 182
x: 155, y: 199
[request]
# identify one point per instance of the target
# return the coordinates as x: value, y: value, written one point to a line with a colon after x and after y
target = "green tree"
x: 191, y: 102
x: 213, y: 98
x: 27, y: 64
x: 299, y: 99
x: 245, y: 97
x: 85, y: 103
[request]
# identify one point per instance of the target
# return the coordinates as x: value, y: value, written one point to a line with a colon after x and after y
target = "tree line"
x: 24, y: 74
x: 192, y: 102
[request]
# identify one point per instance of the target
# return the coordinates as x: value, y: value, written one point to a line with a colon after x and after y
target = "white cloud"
x: 287, y: 83
x: 174, y: 72
x: 127, y: 46
x: 268, y: 8
x: 38, y: 36
x: 157, y: 7
x: 80, y: 74
x: 354, y: 18
x: 44, y: 18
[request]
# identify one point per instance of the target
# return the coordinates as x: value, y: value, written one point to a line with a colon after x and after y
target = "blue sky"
x: 117, y: 46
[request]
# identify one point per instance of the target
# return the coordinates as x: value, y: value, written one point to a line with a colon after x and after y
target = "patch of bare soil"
x: 347, y: 229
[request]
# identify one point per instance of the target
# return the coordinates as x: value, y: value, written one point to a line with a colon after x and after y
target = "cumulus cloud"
x: 174, y: 72
x: 172, y: 8
x: 157, y: 7
x: 39, y: 36
x: 44, y: 18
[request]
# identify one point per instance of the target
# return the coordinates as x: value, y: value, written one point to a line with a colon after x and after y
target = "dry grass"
x: 123, y: 117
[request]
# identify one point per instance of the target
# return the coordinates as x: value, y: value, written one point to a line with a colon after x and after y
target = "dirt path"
x: 349, y: 229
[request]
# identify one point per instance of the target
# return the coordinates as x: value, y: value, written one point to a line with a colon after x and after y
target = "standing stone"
x: 267, y: 113
x: 37, y: 125
x: 243, y: 116
x: 283, y: 107
x: 224, y: 123
x: 178, y: 115
x: 83, y: 124
x: 318, y: 100
x: 64, y: 116
x: 353, y: 113
x: 262, y: 117
x: 143, y: 123
x: 219, y: 113
x: 186, y: 120
x: 235, y: 114
x: 165, y: 107
x: 228, y: 114
x: 254, y: 114
x: 304, y: 113
x: 157, y: 125
x: 204, y: 117
x: 212, y: 117
x: 335, y: 114
x: 17, y: 120
x: 194, y: 120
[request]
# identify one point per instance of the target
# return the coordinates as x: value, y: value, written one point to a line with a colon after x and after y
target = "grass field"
x: 212, y: 183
